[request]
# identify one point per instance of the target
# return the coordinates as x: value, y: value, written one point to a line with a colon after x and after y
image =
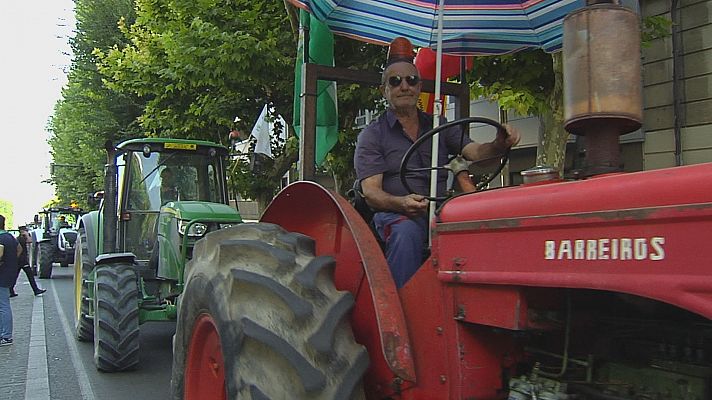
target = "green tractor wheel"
x: 45, y: 257
x: 83, y: 265
x: 260, y: 318
x: 116, y: 317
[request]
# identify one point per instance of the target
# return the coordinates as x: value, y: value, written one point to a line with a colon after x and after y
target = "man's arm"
x: 484, y: 151
x: 464, y: 182
x: 411, y: 205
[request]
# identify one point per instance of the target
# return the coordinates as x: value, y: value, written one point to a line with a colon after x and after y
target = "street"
x: 70, y: 370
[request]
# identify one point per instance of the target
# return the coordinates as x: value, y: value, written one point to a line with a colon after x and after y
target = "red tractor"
x: 594, y: 288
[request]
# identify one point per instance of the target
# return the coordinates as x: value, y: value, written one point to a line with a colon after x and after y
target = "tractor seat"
x: 358, y: 201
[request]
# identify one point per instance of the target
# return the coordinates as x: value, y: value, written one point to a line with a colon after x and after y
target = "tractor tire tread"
x: 83, y: 324
x: 116, y: 318
x: 46, y: 257
x: 277, y: 307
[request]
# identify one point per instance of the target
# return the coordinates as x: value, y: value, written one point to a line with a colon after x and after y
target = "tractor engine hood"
x: 190, y: 210
x: 643, y: 233
x: 614, y: 192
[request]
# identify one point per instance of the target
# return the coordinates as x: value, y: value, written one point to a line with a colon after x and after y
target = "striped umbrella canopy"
x: 470, y: 27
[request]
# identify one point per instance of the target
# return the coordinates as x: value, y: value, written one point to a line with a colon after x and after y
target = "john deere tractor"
x: 160, y: 196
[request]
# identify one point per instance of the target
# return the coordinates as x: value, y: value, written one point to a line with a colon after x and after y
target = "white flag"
x: 262, y: 131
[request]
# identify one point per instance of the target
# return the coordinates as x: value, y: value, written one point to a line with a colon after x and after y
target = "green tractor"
x: 160, y: 197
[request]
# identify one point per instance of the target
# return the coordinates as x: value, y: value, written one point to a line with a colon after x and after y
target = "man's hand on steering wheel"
x: 507, y: 138
x: 413, y: 205
x: 483, y: 154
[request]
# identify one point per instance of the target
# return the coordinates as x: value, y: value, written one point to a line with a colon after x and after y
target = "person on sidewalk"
x: 24, y: 264
x: 9, y: 251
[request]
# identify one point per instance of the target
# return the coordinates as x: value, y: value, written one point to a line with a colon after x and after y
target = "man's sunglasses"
x: 396, y: 80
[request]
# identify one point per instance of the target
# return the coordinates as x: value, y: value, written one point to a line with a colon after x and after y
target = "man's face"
x: 404, y: 94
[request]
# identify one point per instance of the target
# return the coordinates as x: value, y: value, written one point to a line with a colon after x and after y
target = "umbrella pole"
x: 437, y: 111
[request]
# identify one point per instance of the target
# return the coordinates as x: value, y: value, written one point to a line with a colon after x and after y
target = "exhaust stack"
x: 602, y: 81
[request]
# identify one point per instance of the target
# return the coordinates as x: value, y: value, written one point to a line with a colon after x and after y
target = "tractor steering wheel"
x: 404, y: 170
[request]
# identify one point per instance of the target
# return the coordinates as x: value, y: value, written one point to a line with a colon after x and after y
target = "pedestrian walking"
x: 9, y: 251
x: 23, y: 264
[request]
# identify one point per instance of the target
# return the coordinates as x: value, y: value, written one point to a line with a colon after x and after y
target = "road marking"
x: 37, y: 385
x: 82, y: 377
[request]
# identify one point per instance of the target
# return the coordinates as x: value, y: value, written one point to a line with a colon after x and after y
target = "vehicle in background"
x: 53, y: 239
x: 160, y: 197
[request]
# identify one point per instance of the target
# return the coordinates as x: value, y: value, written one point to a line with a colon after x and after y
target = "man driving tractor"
x: 401, y: 217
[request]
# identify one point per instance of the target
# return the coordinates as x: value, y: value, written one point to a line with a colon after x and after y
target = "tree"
x: 187, y: 69
x: 198, y: 65
x: 531, y: 82
x: 6, y: 210
x: 89, y: 113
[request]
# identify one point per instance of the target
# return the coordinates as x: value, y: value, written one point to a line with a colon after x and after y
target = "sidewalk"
x: 26, y: 360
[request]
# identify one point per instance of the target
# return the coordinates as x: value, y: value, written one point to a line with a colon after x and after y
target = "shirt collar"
x: 426, y: 120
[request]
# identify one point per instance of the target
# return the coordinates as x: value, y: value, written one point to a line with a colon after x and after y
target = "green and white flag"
x: 321, y: 51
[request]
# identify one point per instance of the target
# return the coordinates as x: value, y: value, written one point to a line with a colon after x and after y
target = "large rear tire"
x: 83, y: 265
x: 116, y: 319
x: 45, y: 257
x: 260, y: 319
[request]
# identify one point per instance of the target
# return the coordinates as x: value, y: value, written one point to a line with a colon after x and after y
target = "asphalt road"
x: 72, y: 374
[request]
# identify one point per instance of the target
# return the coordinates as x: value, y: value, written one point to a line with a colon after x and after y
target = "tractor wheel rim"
x: 78, y: 282
x: 205, y: 367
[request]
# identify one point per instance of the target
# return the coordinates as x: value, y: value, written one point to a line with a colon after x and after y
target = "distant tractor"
x: 53, y: 239
x: 160, y: 197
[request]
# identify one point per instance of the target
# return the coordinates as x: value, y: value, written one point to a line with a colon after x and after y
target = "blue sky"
x: 35, y: 49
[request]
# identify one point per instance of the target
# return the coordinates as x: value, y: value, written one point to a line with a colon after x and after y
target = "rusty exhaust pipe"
x: 602, y: 81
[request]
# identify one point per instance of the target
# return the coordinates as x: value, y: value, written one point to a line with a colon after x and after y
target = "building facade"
x: 677, y: 86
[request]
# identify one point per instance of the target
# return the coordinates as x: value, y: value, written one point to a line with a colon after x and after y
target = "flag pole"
x: 437, y: 110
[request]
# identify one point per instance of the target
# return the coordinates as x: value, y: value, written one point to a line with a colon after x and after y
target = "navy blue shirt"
x: 383, y: 143
x: 8, y: 268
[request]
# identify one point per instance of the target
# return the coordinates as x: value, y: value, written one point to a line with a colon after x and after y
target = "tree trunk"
x: 551, y: 150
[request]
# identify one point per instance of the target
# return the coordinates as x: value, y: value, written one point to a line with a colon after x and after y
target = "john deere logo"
x: 180, y: 146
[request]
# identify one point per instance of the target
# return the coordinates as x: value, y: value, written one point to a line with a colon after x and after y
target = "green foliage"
x: 524, y: 81
x: 655, y: 27
x: 182, y: 69
x: 352, y: 98
x: 521, y: 81
x: 186, y: 69
x: 198, y: 65
x: 6, y: 210
x: 88, y: 113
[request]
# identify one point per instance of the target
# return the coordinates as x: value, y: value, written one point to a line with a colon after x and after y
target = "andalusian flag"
x: 321, y: 51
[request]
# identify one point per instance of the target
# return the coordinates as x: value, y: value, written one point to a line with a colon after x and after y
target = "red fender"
x: 339, y: 231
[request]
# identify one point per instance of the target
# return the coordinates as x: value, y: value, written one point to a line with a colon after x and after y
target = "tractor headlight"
x: 196, y: 230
